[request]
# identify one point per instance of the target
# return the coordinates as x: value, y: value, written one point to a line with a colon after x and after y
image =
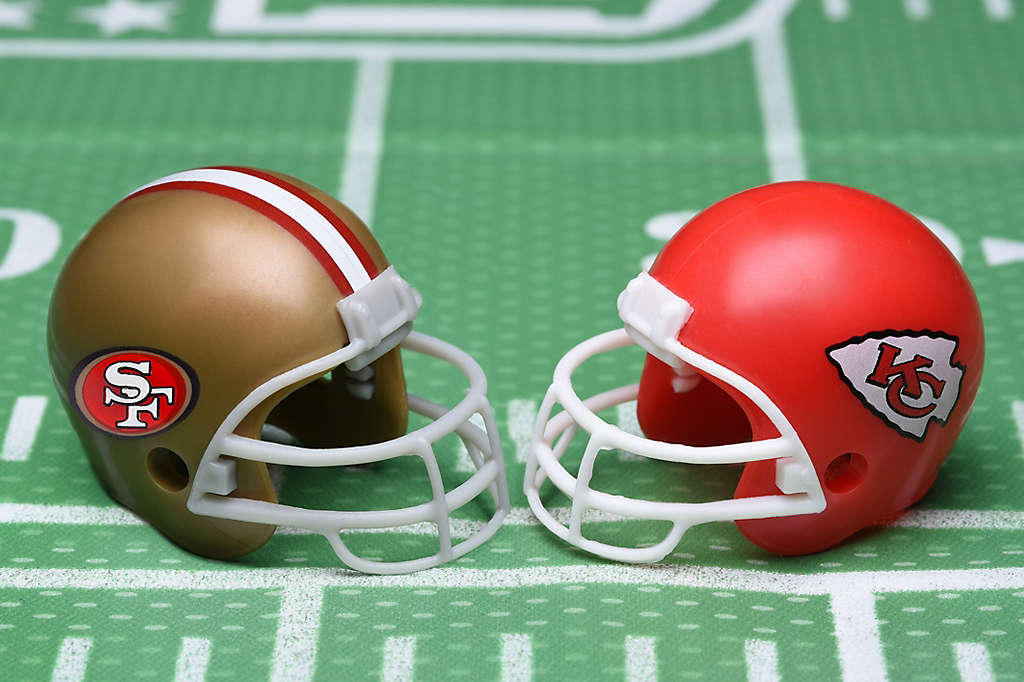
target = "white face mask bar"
x: 215, y: 478
x: 653, y: 317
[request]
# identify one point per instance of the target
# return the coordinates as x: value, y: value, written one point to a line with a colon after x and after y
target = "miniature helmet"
x: 210, y: 304
x: 817, y: 335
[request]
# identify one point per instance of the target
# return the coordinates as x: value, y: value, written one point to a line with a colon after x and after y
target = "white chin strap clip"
x: 653, y: 316
x: 378, y: 316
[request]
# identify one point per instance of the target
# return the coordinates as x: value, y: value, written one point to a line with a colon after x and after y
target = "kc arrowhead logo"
x: 907, y: 378
x: 133, y: 392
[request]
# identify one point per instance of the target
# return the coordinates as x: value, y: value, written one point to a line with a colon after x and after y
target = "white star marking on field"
x: 119, y: 16
x: 17, y: 14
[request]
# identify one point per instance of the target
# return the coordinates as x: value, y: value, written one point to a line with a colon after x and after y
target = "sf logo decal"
x: 907, y: 378
x: 133, y: 392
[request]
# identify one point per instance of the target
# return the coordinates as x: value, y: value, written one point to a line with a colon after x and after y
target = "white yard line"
x: 298, y: 626
x: 23, y: 428
x: 960, y: 519
x: 399, y: 658
x: 742, y: 28
x: 302, y: 579
x: 1017, y: 408
x: 857, y: 635
x: 836, y: 10
x: 973, y: 662
x: 193, y: 660
x: 783, y: 143
x: 516, y: 658
x: 363, y: 143
x: 998, y: 251
x: 67, y: 514
x: 84, y: 515
x: 72, y: 660
x: 250, y: 17
x: 762, y: 659
x: 641, y: 660
x: 999, y: 10
x: 522, y: 413
x: 917, y: 9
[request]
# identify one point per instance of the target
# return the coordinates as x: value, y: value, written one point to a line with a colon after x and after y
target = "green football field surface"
x: 518, y: 169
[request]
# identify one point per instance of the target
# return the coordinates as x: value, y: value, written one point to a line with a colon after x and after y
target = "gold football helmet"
x: 212, y: 303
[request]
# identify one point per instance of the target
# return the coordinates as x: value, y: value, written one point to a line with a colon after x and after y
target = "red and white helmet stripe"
x: 320, y: 230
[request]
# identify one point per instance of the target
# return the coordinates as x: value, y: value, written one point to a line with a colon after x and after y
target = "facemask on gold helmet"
x: 214, y: 303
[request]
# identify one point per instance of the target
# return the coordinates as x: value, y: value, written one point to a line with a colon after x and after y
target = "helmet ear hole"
x: 167, y: 469
x: 845, y: 472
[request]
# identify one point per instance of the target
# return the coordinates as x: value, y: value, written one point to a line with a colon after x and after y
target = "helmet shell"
x: 779, y: 278
x: 235, y: 300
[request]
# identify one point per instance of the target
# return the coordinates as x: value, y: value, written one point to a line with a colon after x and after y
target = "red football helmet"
x: 816, y: 333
